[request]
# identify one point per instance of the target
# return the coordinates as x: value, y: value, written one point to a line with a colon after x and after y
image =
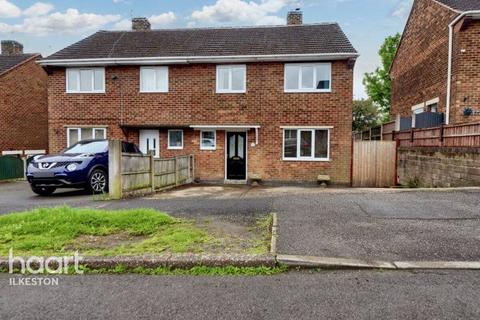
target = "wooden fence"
x: 465, y: 135
x: 134, y: 174
x: 374, y: 164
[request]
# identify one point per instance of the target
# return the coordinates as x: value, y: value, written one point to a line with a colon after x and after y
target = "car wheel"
x: 43, y: 191
x: 98, y: 181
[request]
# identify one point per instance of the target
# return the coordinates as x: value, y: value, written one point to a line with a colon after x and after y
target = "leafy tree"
x: 365, y: 115
x: 378, y: 83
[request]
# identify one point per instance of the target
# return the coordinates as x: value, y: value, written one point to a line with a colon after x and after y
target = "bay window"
x: 306, y: 144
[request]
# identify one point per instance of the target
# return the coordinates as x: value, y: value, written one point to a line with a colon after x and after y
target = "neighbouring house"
x: 271, y: 102
x: 23, y: 101
x: 437, y: 65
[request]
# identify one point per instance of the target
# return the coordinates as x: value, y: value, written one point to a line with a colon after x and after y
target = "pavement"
x: 367, y: 224
x: 294, y: 295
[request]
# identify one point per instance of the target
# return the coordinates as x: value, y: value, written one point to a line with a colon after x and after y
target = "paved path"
x: 324, y: 295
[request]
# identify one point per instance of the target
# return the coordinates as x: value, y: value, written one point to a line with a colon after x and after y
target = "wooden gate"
x: 11, y: 168
x: 374, y: 164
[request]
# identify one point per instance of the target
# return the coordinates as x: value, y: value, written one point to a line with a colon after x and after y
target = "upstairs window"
x: 308, y: 77
x: 306, y: 144
x: 154, y: 79
x: 231, y: 79
x: 86, y: 80
x: 175, y: 139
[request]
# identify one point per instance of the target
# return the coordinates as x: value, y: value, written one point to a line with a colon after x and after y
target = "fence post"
x: 176, y: 170
x: 115, y: 169
x: 441, y: 134
x: 193, y: 167
x: 412, y: 135
x: 152, y: 171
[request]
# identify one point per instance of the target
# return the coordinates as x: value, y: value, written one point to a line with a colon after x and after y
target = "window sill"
x: 174, y: 148
x: 306, y: 160
x: 85, y: 92
x: 208, y: 149
x: 307, y: 91
x: 153, y: 91
x: 231, y: 92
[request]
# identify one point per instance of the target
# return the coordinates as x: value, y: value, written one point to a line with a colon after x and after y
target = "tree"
x: 378, y: 83
x: 365, y: 115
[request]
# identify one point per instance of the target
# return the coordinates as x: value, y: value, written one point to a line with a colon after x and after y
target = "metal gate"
x: 11, y: 167
x: 374, y: 164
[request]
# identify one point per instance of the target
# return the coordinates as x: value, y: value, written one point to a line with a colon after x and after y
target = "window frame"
x: 312, y: 130
x: 230, y: 68
x: 214, y: 140
x: 77, y: 71
x: 155, y: 68
x: 168, y: 140
x: 300, y: 89
x: 79, y: 133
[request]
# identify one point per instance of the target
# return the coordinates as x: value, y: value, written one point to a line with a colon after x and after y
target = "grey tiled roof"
x: 462, y: 5
x: 276, y: 40
x: 8, y: 62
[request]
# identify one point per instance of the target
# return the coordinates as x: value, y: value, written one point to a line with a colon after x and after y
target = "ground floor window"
x: 175, y: 139
x: 208, y: 140
x: 78, y: 134
x: 306, y: 144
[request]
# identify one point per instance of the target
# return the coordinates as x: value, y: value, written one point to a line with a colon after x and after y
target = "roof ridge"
x: 224, y: 27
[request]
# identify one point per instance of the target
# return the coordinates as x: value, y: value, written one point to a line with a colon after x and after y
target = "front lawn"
x: 64, y: 230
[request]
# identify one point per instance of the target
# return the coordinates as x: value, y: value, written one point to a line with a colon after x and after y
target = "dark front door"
x: 236, y: 156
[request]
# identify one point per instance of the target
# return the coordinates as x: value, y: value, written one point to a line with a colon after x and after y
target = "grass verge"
x: 64, y: 230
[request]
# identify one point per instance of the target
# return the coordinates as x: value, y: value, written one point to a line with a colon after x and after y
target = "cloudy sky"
x: 50, y: 25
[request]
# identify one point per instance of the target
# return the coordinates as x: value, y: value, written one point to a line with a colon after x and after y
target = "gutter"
x: 196, y: 59
x: 450, y: 54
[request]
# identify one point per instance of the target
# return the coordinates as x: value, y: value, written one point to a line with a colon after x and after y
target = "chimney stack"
x: 11, y: 48
x: 295, y: 18
x: 141, y: 24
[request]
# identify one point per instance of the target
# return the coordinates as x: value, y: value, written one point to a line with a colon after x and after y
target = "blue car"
x: 83, y: 165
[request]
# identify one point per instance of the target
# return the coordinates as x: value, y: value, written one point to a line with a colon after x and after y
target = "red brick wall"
x: 466, y: 72
x: 419, y: 72
x: 23, y: 108
x: 192, y: 100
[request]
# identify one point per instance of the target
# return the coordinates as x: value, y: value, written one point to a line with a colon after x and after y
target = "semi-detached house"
x: 270, y: 101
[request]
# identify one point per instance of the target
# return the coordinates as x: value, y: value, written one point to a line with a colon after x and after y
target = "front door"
x: 236, y: 156
x: 150, y: 141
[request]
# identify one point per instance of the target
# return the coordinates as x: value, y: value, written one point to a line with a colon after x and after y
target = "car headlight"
x: 72, y: 167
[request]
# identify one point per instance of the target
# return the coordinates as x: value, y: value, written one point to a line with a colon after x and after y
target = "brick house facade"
x: 420, y: 69
x: 23, y: 100
x: 263, y: 111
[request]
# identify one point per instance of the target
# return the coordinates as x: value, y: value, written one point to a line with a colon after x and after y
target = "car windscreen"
x: 88, y: 147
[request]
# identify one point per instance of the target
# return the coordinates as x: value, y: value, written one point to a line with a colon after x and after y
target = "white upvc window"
x: 78, y: 134
x: 175, y: 139
x: 85, y: 80
x: 308, y: 77
x: 305, y: 144
x: 153, y: 79
x: 208, y: 140
x: 231, y: 78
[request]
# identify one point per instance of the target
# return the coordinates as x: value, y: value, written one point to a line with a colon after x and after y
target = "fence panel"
x: 11, y: 167
x: 374, y: 164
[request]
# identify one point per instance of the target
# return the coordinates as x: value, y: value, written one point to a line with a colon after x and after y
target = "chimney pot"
x: 295, y: 17
x: 141, y: 24
x: 11, y: 48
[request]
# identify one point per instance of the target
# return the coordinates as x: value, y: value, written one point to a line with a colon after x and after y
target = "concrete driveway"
x: 370, y: 224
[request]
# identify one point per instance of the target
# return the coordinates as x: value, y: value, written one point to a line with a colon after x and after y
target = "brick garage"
x: 420, y: 68
x: 439, y: 167
x: 23, y: 106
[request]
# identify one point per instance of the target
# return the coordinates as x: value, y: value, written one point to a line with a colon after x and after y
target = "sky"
x: 49, y: 25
